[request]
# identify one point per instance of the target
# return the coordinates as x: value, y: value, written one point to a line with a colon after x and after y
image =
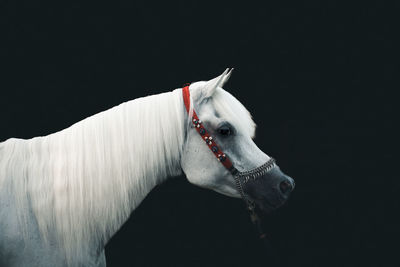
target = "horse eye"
x: 224, y: 130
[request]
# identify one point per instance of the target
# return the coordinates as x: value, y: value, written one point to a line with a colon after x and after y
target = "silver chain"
x: 253, y: 174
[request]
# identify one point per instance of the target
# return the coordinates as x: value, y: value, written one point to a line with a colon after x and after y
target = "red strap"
x: 204, y: 133
x: 186, y: 96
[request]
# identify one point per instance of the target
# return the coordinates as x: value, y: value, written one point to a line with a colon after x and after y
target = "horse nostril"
x: 285, y: 187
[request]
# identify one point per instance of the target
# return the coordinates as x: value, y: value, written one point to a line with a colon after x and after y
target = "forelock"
x: 229, y: 108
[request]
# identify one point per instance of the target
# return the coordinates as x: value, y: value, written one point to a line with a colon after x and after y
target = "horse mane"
x: 82, y: 183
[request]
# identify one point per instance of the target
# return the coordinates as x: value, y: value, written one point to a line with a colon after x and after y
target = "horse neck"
x: 145, y: 138
x: 85, y: 180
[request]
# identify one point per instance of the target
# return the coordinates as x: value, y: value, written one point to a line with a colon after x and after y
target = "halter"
x: 240, y: 177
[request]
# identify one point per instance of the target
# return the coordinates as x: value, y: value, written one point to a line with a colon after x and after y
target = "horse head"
x: 255, y: 176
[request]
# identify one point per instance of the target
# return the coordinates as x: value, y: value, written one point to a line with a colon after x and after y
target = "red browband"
x: 197, y: 123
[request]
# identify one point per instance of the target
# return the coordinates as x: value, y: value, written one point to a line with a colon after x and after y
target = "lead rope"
x: 256, y: 220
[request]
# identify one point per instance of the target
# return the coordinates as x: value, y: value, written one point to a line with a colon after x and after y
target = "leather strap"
x: 223, y: 158
x: 198, y: 125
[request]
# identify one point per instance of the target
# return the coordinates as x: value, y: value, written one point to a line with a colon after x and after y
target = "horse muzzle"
x: 267, y: 186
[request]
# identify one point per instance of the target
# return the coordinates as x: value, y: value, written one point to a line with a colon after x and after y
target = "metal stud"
x: 221, y: 157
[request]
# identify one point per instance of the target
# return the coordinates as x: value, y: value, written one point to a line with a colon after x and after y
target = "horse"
x: 64, y: 195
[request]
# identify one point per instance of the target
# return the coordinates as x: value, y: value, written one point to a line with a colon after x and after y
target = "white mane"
x: 82, y: 182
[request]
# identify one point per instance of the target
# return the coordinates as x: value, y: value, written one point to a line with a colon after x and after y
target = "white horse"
x: 63, y: 196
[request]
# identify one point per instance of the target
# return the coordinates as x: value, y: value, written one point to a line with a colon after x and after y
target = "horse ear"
x: 210, y: 86
x: 226, y: 78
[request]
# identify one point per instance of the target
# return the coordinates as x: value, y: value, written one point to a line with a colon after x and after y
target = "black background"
x: 318, y: 78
